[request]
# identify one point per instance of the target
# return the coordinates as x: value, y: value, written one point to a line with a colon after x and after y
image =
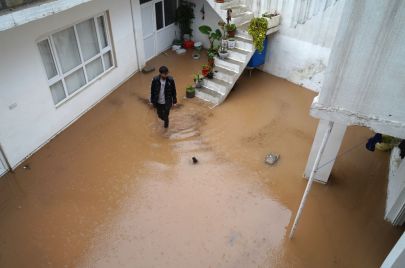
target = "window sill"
x: 35, y: 11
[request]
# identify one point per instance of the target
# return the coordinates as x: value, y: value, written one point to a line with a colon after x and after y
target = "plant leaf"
x: 205, y: 29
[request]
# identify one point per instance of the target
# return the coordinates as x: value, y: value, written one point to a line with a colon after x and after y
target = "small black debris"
x: 195, y: 160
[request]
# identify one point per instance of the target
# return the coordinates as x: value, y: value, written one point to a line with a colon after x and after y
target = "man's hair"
x: 163, y: 70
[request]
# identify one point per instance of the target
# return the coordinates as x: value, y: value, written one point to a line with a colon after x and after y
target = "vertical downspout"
x: 6, y: 160
x: 134, y: 33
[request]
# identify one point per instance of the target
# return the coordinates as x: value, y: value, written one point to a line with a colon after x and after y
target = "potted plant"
x: 198, y: 80
x: 212, y: 35
x: 231, y: 43
x: 205, y: 69
x: 188, y: 44
x: 230, y: 29
x: 273, y: 19
x: 223, y: 52
x: 210, y: 75
x: 184, y: 17
x: 211, y: 56
x: 190, y: 92
x: 258, y: 29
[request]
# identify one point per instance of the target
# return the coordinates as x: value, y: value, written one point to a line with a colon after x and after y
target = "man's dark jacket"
x: 170, y: 91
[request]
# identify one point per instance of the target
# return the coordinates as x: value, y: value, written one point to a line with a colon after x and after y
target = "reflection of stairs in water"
x: 227, y: 71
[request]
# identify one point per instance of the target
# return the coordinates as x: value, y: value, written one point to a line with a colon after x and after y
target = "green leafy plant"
x: 198, y: 77
x: 258, y: 29
x: 212, y: 52
x: 184, y: 17
x: 230, y: 27
x: 190, y: 88
x: 212, y: 35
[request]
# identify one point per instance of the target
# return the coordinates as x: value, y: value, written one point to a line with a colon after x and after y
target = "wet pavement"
x: 117, y: 190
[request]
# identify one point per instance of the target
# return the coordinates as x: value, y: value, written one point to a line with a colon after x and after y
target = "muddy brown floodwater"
x: 116, y: 190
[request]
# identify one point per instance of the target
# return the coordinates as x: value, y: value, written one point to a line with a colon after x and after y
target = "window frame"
x: 60, y: 76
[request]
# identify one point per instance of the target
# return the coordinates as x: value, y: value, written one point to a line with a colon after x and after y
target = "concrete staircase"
x: 227, y: 71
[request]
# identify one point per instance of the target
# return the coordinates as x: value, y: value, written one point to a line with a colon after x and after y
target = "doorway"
x: 158, y: 27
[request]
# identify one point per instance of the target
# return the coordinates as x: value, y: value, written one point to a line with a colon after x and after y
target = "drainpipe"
x: 134, y: 33
x: 5, y: 159
x: 311, y: 177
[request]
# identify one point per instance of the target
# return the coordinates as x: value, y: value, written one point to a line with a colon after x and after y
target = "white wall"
x: 299, y: 52
x: 28, y: 117
x: 211, y: 19
x: 365, y: 81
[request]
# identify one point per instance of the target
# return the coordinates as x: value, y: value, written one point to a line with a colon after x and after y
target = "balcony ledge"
x: 38, y: 10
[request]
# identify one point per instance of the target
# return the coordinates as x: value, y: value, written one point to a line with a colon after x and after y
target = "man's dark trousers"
x: 163, y: 113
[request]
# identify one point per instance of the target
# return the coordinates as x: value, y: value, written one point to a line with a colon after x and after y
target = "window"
x: 170, y: 11
x: 159, y: 15
x: 76, y: 56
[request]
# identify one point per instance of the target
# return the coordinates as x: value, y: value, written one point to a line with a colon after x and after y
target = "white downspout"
x: 311, y: 177
x: 137, y: 31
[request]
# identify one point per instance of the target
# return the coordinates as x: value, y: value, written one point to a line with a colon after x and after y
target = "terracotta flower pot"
x: 205, y: 71
x: 231, y: 33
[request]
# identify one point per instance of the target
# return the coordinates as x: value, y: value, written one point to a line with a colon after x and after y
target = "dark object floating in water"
x: 148, y: 69
x: 195, y: 160
x: 271, y: 159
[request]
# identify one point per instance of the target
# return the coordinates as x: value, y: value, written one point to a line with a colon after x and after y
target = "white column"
x: 394, y: 211
x: 330, y: 152
x: 396, y: 258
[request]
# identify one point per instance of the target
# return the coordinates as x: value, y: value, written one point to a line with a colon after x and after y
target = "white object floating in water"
x: 271, y: 159
x: 181, y: 51
x: 176, y: 47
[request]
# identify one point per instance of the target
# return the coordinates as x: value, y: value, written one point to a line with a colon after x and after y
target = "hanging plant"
x: 184, y: 17
x: 258, y: 29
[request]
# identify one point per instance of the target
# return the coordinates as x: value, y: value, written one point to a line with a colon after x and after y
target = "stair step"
x: 229, y: 64
x: 243, y: 20
x: 208, y: 95
x: 238, y: 55
x: 244, y: 44
x: 244, y: 35
x: 225, y: 75
x: 217, y: 85
x: 241, y: 14
x: 230, y: 4
x: 235, y: 7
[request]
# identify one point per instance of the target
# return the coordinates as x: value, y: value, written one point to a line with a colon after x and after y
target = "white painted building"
x: 59, y: 58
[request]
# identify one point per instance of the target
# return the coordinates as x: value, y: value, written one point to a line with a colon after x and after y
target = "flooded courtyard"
x: 117, y: 190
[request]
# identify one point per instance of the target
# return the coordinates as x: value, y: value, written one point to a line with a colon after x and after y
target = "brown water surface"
x: 117, y: 190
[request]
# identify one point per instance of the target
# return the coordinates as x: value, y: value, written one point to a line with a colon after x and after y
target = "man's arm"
x: 174, y: 93
x: 152, y: 93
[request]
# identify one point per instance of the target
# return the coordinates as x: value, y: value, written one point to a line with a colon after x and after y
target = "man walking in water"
x: 163, y: 94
